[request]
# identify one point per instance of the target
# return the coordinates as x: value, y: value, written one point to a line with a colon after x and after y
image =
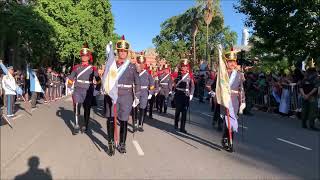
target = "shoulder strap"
x: 142, y: 72
x: 185, y: 76
x: 164, y: 78
x: 83, y: 71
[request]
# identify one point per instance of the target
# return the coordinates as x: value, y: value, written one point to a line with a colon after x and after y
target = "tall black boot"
x: 123, y: 137
x: 141, y: 119
x: 183, y: 122
x: 165, y: 105
x: 86, y: 119
x: 134, y: 119
x: 110, y: 130
x: 151, y: 102
x: 176, y: 118
x: 77, y: 107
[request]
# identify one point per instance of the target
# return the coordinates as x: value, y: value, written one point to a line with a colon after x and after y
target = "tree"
x: 185, y: 35
x: 283, y: 29
x: 51, y: 32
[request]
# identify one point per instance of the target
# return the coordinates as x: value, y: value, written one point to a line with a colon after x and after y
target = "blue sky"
x: 139, y: 20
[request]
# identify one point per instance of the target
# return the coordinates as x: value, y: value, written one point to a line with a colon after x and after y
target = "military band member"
x: 49, y: 84
x: 159, y: 73
x: 237, y: 98
x: 165, y: 87
x: 128, y: 87
x: 84, y: 91
x: 147, y: 89
x: 184, y: 89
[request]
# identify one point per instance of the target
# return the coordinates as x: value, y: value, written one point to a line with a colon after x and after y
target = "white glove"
x: 242, y: 107
x: 155, y: 94
x: 191, y: 96
x: 95, y: 93
x: 51, y: 84
x: 213, y: 94
x: 170, y: 92
x: 135, y: 102
x: 150, y: 96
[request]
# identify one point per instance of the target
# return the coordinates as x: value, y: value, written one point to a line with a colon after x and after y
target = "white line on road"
x: 22, y: 150
x: 303, y: 147
x: 138, y: 148
x: 206, y: 114
x: 244, y: 127
x: 20, y: 115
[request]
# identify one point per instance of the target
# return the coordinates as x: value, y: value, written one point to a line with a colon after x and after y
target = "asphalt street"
x: 267, y: 146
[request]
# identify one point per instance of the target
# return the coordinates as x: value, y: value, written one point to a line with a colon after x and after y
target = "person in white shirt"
x: 9, y: 87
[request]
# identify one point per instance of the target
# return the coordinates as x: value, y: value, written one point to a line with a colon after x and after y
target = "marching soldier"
x: 165, y: 87
x: 157, y: 98
x: 128, y: 87
x: 184, y: 89
x: 155, y: 92
x: 147, y: 89
x: 84, y: 91
x: 237, y: 98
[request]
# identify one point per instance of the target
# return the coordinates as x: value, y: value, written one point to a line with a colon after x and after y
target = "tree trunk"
x: 207, y: 48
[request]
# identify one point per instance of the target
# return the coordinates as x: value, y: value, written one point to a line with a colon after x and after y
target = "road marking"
x: 244, y: 127
x: 21, y: 150
x: 303, y: 147
x: 20, y: 115
x: 138, y: 148
x: 206, y: 114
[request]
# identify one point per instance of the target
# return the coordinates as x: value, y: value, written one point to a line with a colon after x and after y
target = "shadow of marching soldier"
x: 34, y: 172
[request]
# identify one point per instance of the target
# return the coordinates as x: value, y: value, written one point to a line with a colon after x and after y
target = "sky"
x: 139, y: 20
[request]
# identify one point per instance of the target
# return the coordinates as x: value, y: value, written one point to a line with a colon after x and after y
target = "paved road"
x: 271, y: 147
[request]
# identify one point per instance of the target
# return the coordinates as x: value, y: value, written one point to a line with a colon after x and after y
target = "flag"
x: 34, y: 82
x: 110, y: 75
x: 5, y: 71
x: 222, y: 85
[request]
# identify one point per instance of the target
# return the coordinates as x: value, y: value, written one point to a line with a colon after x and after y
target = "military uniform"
x: 82, y: 75
x: 156, y: 91
x: 128, y: 87
x: 147, y: 89
x: 165, y: 87
x: 237, y: 97
x: 184, y: 89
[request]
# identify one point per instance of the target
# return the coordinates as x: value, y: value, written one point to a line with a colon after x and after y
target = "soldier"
x: 157, y: 98
x: 165, y: 87
x: 147, y: 89
x: 154, y: 76
x: 84, y: 91
x: 237, y: 98
x: 128, y: 87
x: 184, y: 89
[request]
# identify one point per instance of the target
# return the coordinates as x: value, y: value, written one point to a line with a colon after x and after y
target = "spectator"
x: 308, y: 91
x: 9, y: 86
x: 201, y: 87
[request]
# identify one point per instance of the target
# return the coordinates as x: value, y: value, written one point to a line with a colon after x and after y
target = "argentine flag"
x: 34, y: 82
x: 109, y: 78
x: 5, y: 71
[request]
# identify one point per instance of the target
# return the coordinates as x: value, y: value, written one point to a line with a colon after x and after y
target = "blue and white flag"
x: 5, y: 71
x: 34, y: 82
x: 110, y: 75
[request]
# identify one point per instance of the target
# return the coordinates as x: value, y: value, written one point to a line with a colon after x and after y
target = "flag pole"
x: 229, y: 126
x: 115, y: 124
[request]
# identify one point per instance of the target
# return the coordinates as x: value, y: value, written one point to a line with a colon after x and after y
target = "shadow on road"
x: 170, y: 129
x: 34, y: 172
x: 96, y: 127
x: 67, y: 116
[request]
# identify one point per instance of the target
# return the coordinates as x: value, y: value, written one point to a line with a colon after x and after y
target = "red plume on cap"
x: 122, y: 37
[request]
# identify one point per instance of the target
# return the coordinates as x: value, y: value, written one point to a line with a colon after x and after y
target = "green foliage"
x: 283, y: 29
x: 175, y: 38
x: 54, y: 30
